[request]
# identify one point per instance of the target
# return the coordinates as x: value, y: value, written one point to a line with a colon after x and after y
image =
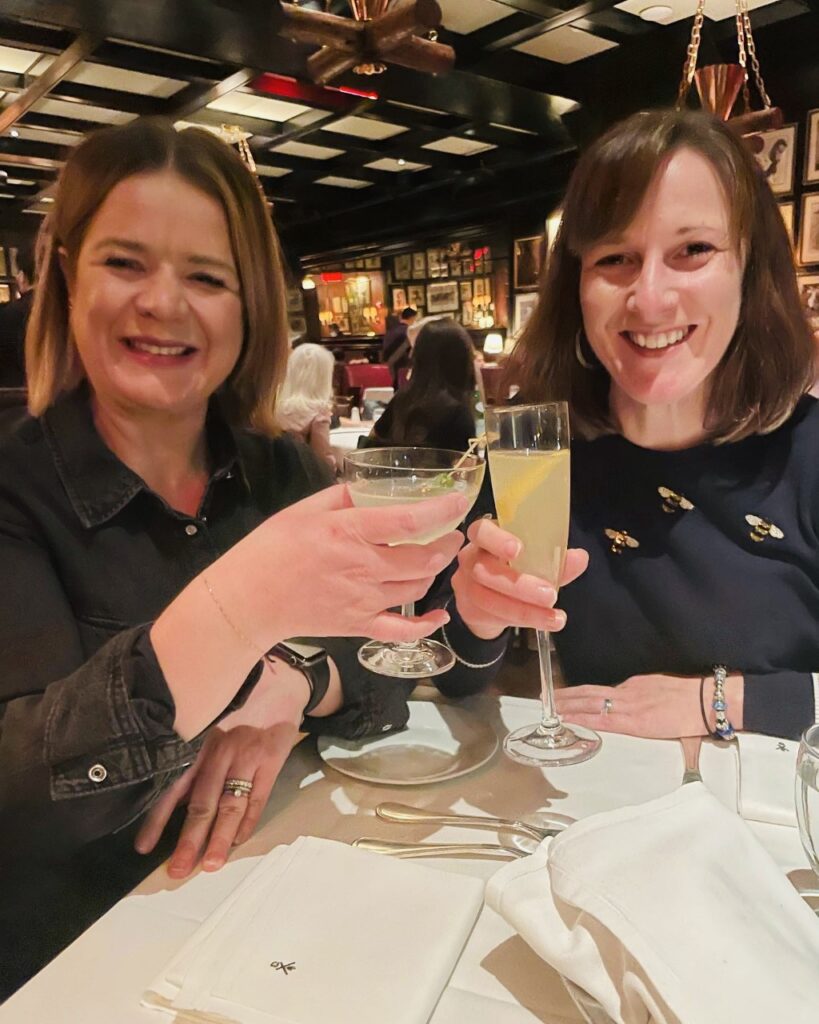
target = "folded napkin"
x: 668, y: 912
x: 767, y: 773
x: 322, y: 932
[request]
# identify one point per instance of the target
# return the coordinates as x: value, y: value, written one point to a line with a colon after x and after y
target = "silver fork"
x: 397, y: 849
x: 405, y: 815
x: 691, y: 756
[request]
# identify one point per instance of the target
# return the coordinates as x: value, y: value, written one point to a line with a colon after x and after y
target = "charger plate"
x: 440, y: 741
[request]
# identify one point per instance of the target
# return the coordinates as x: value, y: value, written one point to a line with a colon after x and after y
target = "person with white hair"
x: 306, y: 401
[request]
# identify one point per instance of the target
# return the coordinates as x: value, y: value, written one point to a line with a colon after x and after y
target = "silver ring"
x: 608, y: 704
x: 238, y: 787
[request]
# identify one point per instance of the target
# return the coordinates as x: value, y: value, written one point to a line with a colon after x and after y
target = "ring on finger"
x: 238, y: 787
x: 608, y: 704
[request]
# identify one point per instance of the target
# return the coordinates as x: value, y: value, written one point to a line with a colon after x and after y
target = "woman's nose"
x: 654, y: 291
x: 161, y: 295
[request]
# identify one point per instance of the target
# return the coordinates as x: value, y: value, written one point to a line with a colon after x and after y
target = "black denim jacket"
x: 89, y: 556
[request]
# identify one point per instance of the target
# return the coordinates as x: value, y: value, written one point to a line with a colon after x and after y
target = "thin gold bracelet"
x: 245, y: 640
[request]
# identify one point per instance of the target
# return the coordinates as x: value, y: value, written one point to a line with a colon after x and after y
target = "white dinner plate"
x: 440, y: 741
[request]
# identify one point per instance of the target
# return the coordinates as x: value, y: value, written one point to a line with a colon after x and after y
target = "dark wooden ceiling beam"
x: 539, y: 27
x: 195, y: 97
x: 109, y: 99
x: 82, y: 46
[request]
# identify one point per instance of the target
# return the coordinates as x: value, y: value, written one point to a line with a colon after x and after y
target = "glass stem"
x: 550, y: 722
x: 408, y: 610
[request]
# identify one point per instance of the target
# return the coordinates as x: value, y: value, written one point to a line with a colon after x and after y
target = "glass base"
x: 569, y: 744
x: 407, y: 661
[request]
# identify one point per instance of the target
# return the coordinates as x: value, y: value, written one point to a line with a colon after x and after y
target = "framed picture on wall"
x: 5, y: 293
x: 419, y: 264
x: 786, y: 209
x: 416, y: 296
x: 809, y: 229
x: 402, y: 267
x: 809, y: 294
x: 399, y: 299
x: 466, y: 291
x: 437, y: 263
x: 812, y: 148
x: 776, y: 158
x: 442, y: 297
x: 524, y: 304
x: 528, y: 255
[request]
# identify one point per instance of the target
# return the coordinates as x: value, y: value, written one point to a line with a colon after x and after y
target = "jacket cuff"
x: 778, y: 704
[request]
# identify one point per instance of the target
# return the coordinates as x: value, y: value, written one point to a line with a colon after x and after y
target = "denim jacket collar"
x: 97, y: 483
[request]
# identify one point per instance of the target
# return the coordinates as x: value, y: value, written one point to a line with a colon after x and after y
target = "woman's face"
x: 661, y: 302
x: 156, y: 309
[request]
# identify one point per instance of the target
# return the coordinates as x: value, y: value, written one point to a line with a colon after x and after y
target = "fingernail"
x: 212, y: 862
x: 513, y: 549
x: 547, y: 594
x: 560, y: 619
x: 177, y: 869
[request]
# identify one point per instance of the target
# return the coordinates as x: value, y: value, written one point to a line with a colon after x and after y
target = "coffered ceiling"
x: 366, y: 158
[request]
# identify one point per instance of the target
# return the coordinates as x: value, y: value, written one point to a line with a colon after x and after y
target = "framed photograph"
x: 466, y: 291
x: 419, y: 264
x: 809, y: 293
x: 402, y: 267
x: 442, y: 297
x: 5, y: 293
x: 437, y: 263
x: 528, y: 257
x: 2, y: 262
x: 399, y: 299
x: 809, y: 229
x: 786, y: 209
x: 416, y: 296
x: 524, y: 304
x: 455, y: 267
x: 776, y: 158
x: 372, y: 263
x: 812, y: 148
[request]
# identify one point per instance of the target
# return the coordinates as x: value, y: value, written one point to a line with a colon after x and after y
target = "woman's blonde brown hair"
x: 769, y: 362
x: 102, y: 161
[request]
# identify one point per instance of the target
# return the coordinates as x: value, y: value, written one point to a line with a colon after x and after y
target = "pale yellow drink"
x: 398, y: 490
x: 532, y: 500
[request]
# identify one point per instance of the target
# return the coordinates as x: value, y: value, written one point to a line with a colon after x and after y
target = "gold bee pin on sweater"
x: 762, y: 528
x: 620, y: 540
x: 673, y: 502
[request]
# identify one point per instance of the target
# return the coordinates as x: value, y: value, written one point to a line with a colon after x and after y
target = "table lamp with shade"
x: 493, y: 344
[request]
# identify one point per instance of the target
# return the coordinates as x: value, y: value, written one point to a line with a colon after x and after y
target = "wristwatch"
x: 311, y: 662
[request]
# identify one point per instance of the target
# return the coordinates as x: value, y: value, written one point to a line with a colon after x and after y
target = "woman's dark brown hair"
x: 769, y: 362
x: 101, y: 162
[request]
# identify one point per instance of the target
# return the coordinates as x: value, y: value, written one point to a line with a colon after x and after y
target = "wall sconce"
x: 308, y: 284
x: 493, y: 344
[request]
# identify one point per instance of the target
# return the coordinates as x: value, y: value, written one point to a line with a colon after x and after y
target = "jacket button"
x: 98, y: 773
x: 191, y: 530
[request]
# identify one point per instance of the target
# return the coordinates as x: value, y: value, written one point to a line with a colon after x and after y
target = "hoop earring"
x: 578, y: 352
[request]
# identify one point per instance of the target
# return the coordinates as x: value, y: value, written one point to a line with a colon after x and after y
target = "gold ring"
x: 238, y: 787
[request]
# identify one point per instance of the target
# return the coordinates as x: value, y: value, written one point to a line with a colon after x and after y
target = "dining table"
x: 101, y: 977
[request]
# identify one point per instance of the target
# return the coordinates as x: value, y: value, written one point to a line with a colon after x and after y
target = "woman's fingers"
x: 395, y: 628
x: 158, y: 816
x: 415, y: 561
x: 398, y: 524
x: 486, y: 534
x: 203, y: 806
x: 577, y: 561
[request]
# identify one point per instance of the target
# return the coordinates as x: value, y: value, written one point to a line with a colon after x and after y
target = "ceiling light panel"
x: 104, y: 77
x: 307, y: 150
x: 462, y: 17
x: 459, y: 147
x: 263, y: 107
x: 272, y: 172
x: 364, y: 128
x: 337, y: 182
x: 16, y: 61
x: 565, y: 45
x: 716, y: 10
x: 396, y: 166
x: 82, y: 111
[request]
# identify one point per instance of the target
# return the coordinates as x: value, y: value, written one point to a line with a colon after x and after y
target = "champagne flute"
x: 528, y: 448
x: 807, y: 795
x: 400, y: 476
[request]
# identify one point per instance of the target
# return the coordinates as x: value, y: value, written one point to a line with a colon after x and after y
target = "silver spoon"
x: 404, y: 814
x: 438, y: 849
x: 691, y: 755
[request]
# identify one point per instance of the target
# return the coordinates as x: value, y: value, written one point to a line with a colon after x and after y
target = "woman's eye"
x: 121, y: 263
x: 210, y: 280
x: 615, y: 259
x: 698, y: 249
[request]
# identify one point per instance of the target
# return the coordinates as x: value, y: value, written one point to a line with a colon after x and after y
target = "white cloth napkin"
x: 319, y: 932
x: 668, y: 912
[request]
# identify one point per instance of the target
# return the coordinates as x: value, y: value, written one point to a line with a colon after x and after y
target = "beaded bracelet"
x: 723, y: 730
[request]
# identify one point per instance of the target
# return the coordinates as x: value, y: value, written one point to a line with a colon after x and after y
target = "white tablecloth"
x: 499, y: 980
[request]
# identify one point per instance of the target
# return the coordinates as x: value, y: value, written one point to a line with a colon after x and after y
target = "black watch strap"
x: 314, y: 666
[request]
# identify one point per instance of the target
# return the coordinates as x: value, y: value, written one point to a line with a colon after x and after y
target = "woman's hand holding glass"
x: 492, y: 596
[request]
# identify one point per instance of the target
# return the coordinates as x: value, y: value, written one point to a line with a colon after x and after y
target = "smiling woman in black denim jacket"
x: 156, y: 539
